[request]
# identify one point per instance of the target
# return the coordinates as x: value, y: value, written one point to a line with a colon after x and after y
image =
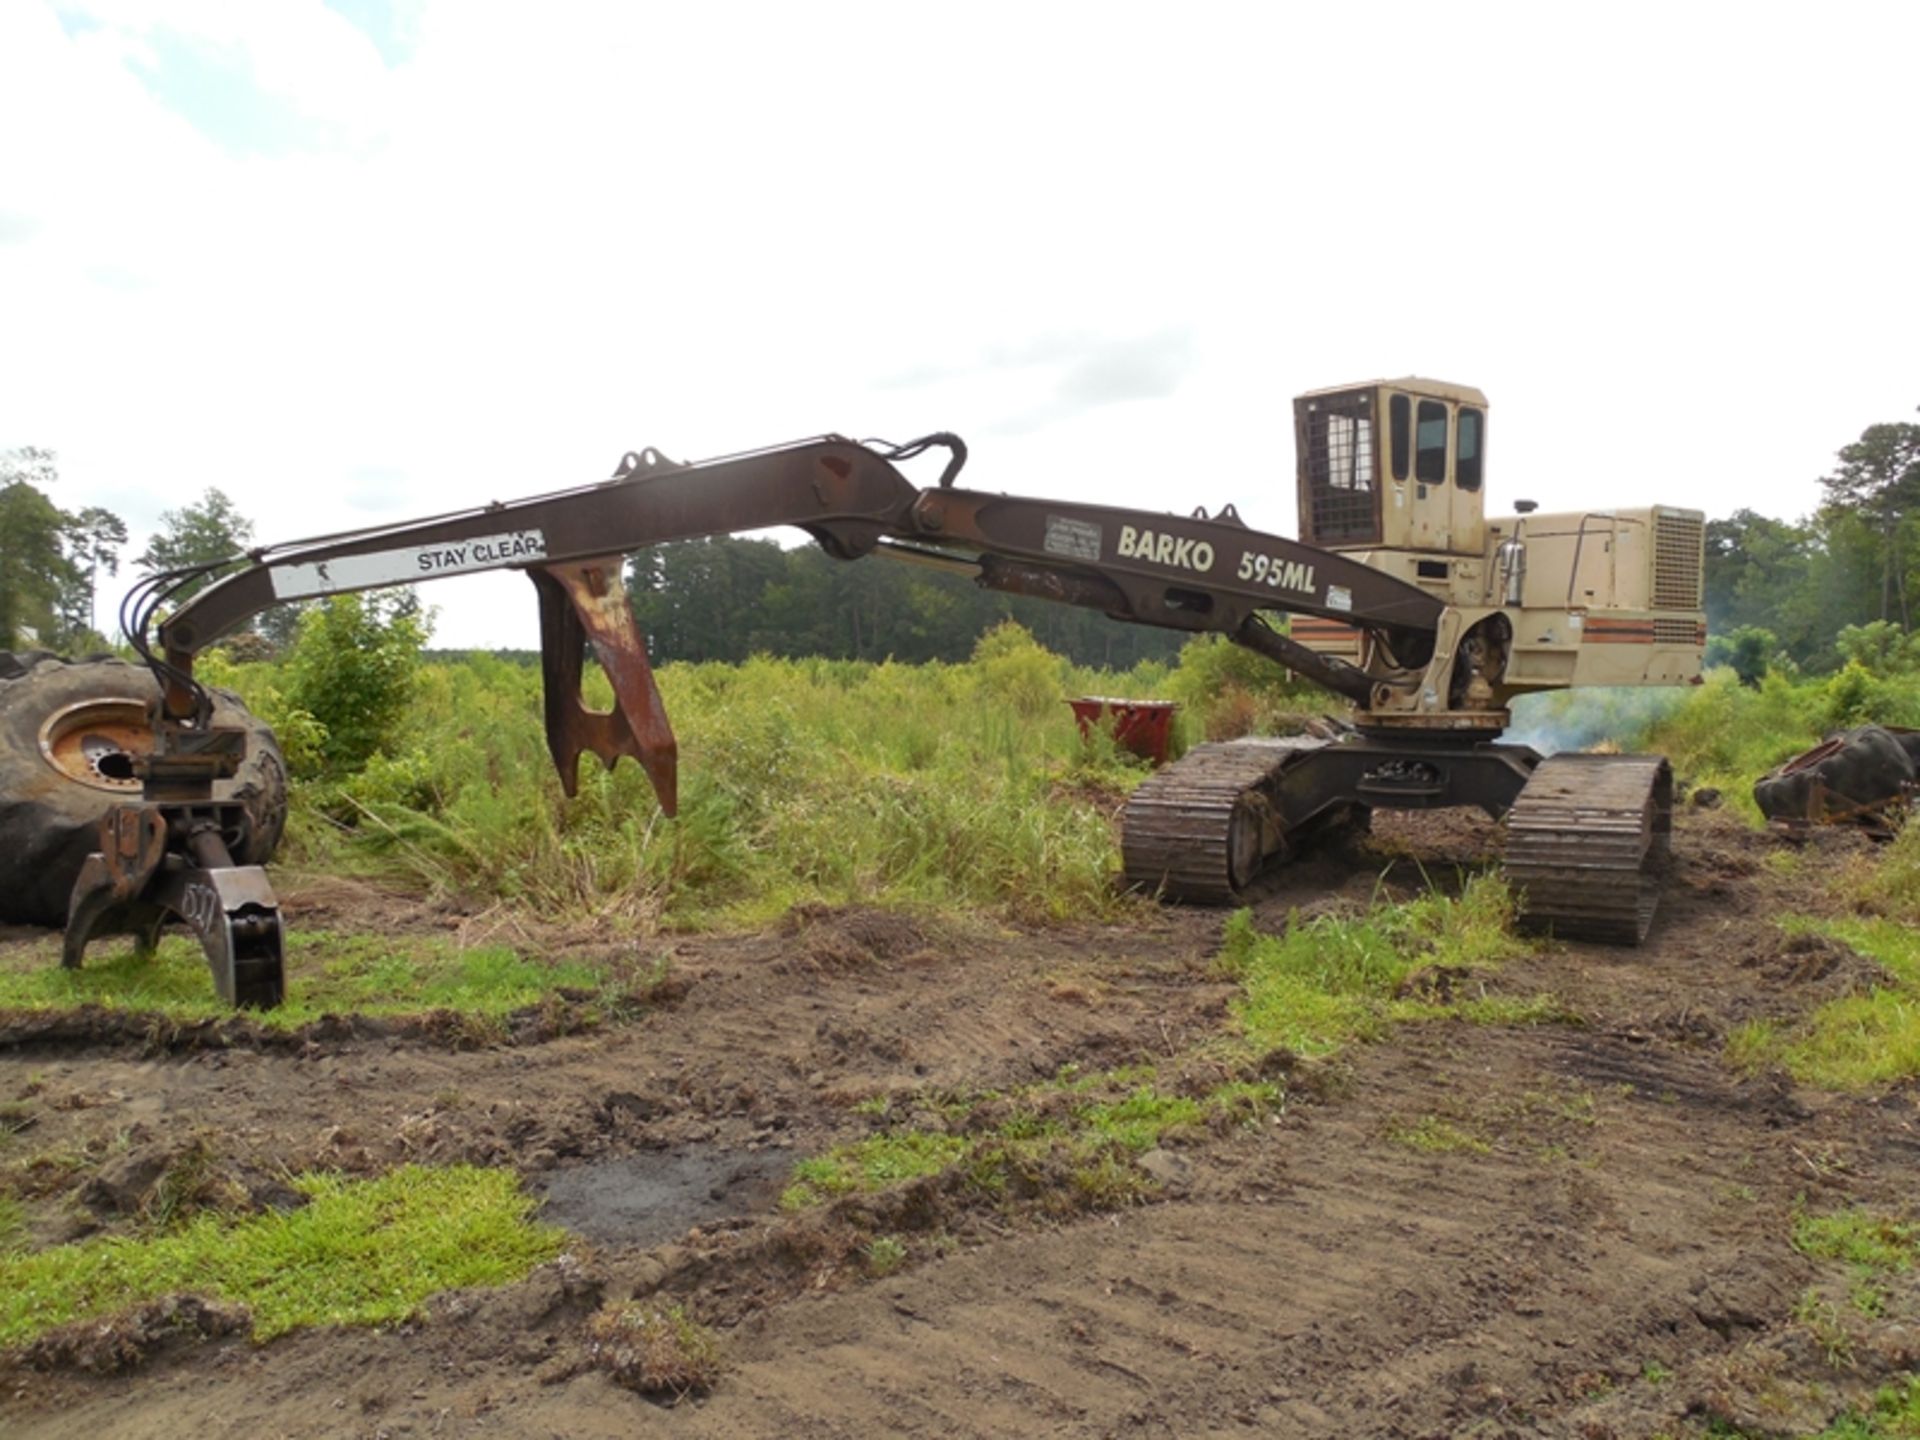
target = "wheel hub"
x: 97, y: 742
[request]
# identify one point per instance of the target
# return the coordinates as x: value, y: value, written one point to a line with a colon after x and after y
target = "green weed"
x: 1889, y: 887
x: 1139, y: 1120
x: 1823, y: 1322
x: 871, y: 1164
x: 1094, y: 1122
x: 885, y: 1255
x: 1861, y: 1238
x: 1436, y: 1136
x: 1856, y: 1041
x: 1332, y: 980
x: 1893, y: 1415
x: 654, y: 1349
x: 13, y: 1224
x: 326, y: 974
x: 1104, y: 1181
x: 15, y: 1116
x: 361, y: 1252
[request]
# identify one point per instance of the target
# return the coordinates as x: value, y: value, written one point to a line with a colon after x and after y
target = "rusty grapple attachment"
x: 169, y: 858
x: 161, y: 862
x: 586, y: 602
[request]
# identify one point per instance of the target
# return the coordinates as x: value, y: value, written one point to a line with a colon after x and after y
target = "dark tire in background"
x: 1861, y: 777
x: 69, y: 733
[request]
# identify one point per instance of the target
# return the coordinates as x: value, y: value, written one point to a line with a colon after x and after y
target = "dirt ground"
x: 1611, y: 1258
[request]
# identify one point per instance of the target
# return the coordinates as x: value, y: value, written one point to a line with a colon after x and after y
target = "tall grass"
x: 801, y: 780
x: 937, y: 785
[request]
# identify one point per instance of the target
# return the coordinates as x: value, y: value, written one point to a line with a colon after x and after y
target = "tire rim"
x: 97, y: 742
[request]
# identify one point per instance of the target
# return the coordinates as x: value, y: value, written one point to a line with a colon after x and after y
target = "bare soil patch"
x: 1579, y: 1228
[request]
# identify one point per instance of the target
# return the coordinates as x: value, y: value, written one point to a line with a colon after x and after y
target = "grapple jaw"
x: 160, y: 863
x: 583, y: 602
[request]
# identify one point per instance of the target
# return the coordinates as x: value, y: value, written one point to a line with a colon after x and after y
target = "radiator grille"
x: 1679, y: 632
x: 1677, y: 542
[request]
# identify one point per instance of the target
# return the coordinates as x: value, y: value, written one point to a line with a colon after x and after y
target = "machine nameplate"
x: 411, y: 562
x: 1074, y: 539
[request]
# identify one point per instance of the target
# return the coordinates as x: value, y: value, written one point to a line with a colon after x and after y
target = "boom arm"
x: 170, y: 856
x: 1188, y: 573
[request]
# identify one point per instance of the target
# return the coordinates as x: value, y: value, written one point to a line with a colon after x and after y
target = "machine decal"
x: 200, y: 907
x: 1339, y: 597
x: 1165, y: 549
x: 1280, y: 574
x: 1074, y: 539
x: 413, y: 562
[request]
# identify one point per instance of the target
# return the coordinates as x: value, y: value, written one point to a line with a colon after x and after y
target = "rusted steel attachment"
x: 1140, y: 727
x: 160, y: 863
x: 585, y: 602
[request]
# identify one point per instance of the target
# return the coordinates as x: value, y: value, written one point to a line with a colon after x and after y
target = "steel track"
x: 1199, y: 831
x: 1587, y: 837
x: 1586, y: 844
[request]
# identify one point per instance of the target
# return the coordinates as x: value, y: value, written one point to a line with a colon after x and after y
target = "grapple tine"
x: 582, y: 601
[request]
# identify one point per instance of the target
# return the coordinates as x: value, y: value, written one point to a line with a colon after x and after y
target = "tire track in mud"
x: 1328, y: 1280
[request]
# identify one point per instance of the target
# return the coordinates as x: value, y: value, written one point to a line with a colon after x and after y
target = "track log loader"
x: 1404, y: 598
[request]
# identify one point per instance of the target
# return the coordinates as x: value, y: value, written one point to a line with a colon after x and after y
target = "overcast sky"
x: 370, y: 259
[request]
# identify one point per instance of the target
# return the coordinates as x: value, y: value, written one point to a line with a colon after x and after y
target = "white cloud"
x: 1106, y: 243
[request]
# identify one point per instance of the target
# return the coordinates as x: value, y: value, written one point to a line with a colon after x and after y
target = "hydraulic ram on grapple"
x: 1427, y: 632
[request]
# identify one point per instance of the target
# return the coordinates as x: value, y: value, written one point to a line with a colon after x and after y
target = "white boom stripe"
x: 414, y: 562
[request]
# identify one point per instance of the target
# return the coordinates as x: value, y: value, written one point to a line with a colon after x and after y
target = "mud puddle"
x: 657, y: 1195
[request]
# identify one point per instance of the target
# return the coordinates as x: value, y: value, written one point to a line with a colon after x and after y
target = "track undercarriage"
x: 1587, y: 835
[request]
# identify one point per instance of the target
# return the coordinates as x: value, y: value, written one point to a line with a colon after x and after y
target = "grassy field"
x: 801, y: 781
x: 961, y: 786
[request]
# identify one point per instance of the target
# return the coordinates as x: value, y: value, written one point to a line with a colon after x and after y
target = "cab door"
x: 1420, y: 499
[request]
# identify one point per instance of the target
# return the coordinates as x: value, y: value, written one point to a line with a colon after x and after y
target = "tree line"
x: 52, y: 560
x: 1813, y: 592
x: 726, y: 598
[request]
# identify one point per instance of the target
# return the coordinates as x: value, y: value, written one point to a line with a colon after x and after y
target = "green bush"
x: 1880, y: 646
x: 1011, y: 666
x: 352, y: 668
x: 1749, y: 650
x: 1858, y: 695
x: 301, y: 736
x: 1230, y: 690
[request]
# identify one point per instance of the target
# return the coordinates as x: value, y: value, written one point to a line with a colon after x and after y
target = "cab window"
x: 1430, y: 444
x: 1469, y: 449
x: 1400, y: 417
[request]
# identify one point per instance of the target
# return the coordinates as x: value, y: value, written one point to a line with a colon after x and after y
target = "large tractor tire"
x: 1864, y: 776
x: 69, y: 734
